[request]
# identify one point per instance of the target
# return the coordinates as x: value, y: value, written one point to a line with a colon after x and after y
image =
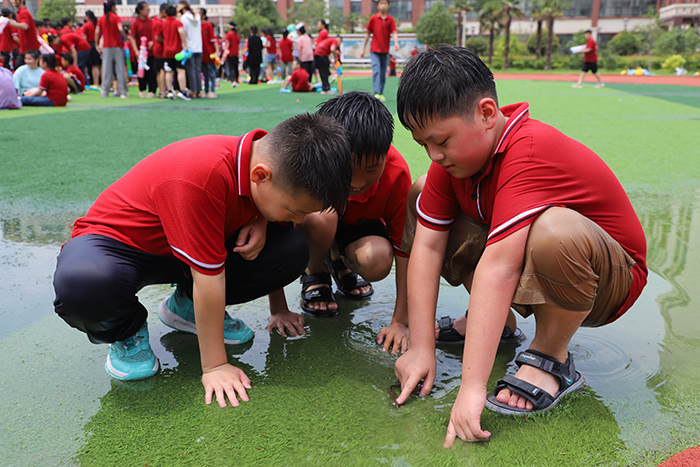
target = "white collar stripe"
x: 515, y: 220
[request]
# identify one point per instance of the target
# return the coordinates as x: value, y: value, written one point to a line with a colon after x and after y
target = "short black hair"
x: 368, y: 122
x: 50, y: 60
x: 170, y: 10
x: 588, y: 31
x: 254, y: 29
x: 311, y: 153
x: 34, y: 53
x: 442, y: 82
x: 68, y: 58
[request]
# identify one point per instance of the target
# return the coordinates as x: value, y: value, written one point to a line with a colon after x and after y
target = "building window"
x: 579, y: 8
x: 356, y: 7
x: 613, y: 8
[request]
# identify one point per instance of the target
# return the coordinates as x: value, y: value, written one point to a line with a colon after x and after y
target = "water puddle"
x: 330, y: 387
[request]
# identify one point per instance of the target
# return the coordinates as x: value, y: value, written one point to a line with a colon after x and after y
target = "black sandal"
x: 320, y: 294
x: 449, y: 335
x: 349, y: 281
x: 570, y: 380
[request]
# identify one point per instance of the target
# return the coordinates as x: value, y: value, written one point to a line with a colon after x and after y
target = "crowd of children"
x: 176, y: 53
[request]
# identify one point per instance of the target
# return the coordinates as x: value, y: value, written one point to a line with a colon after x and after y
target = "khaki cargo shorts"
x: 570, y: 262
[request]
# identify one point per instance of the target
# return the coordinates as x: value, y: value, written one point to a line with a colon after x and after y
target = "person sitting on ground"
x: 216, y: 225
x: 53, y: 88
x: 74, y: 77
x: 524, y: 217
x: 28, y: 76
x: 299, y: 79
x: 8, y: 96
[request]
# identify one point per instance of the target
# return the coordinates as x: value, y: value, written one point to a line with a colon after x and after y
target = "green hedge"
x: 606, y: 61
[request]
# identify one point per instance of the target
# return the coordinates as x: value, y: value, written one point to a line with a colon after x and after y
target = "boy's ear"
x: 487, y: 112
x: 260, y: 173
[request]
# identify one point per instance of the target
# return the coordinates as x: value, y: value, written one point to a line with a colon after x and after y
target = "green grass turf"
x: 321, y: 400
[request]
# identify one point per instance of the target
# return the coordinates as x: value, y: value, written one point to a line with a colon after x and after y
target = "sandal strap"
x: 539, y: 397
x: 351, y: 281
x: 320, y: 278
x: 321, y: 294
x: 564, y: 372
x: 445, y: 323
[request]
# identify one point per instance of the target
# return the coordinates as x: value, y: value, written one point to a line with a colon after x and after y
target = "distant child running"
x: 209, y: 214
x: 524, y: 217
x: 590, y: 61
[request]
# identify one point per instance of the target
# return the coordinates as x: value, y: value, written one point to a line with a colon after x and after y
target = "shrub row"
x: 606, y: 61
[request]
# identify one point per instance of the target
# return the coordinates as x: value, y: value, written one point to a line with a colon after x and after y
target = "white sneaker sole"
x: 116, y: 374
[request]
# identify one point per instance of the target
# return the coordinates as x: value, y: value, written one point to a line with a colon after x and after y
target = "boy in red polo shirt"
x: 173, y: 38
x: 363, y: 241
x: 74, y: 44
x: 299, y: 79
x: 529, y: 218
x: 286, y: 49
x: 232, y: 45
x: 53, y: 88
x: 381, y: 27
x: 322, y: 61
x: 157, y: 52
x: 26, y: 30
x: 210, y: 46
x: 74, y: 76
x: 214, y: 224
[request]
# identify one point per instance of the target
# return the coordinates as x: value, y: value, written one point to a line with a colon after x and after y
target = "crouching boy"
x: 523, y: 216
x: 200, y: 213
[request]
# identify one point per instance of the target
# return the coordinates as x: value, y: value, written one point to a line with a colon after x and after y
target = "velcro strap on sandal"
x: 539, y: 397
x: 308, y: 280
x: 562, y: 371
x: 445, y: 322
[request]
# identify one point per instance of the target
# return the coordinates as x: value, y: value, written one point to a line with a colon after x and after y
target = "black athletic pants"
x: 97, y: 279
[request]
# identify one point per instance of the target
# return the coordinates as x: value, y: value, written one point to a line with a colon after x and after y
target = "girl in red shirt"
x: 110, y: 27
x: 53, y: 87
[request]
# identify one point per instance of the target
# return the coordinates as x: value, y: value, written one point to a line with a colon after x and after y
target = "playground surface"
x: 322, y: 399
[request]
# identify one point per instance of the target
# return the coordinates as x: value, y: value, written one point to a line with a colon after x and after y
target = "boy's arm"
x: 395, y: 35
x: 183, y: 37
x: 423, y: 280
x: 15, y: 24
x: 218, y: 376
x: 364, y: 44
x: 397, y: 331
x: 495, y: 280
x: 281, y: 318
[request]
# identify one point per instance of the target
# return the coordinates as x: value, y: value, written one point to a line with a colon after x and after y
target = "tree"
x: 625, y: 43
x: 335, y: 20
x: 55, y: 10
x: 531, y: 44
x: 264, y: 8
x: 550, y: 10
x: 353, y: 21
x: 677, y: 41
x: 245, y: 18
x: 478, y: 45
x: 504, y: 12
x: 489, y: 19
x: 460, y: 7
x: 308, y: 12
x: 435, y: 26
x: 649, y: 33
x: 536, y: 15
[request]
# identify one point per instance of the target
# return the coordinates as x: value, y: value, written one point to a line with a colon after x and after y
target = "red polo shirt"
x: 234, y: 43
x: 591, y: 56
x: 110, y: 30
x: 157, y: 32
x: 385, y: 200
x: 173, y: 204
x: 300, y: 80
x: 381, y: 29
x: 286, y: 47
x: 208, y: 41
x: 171, y: 38
x: 56, y: 87
x: 27, y: 39
x: 71, y: 39
x: 324, y: 47
x: 534, y: 167
x: 89, y: 31
x: 75, y: 71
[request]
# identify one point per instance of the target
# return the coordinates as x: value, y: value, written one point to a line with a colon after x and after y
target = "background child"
x: 299, y: 79
x: 232, y: 45
x: 522, y: 216
x: 110, y: 26
x: 210, y: 46
x: 28, y: 76
x: 53, y: 88
x: 74, y: 77
x: 286, y: 49
x: 381, y: 27
x: 200, y: 222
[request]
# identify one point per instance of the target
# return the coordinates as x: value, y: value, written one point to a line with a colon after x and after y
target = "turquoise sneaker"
x: 132, y: 359
x: 177, y: 311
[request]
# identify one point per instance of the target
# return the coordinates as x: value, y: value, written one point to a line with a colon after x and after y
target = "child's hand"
x: 225, y: 381
x: 410, y: 368
x: 396, y: 333
x: 285, y: 319
x: 465, y: 419
x: 251, y: 239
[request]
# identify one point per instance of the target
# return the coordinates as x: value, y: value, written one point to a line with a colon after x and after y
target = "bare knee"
x: 371, y: 257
